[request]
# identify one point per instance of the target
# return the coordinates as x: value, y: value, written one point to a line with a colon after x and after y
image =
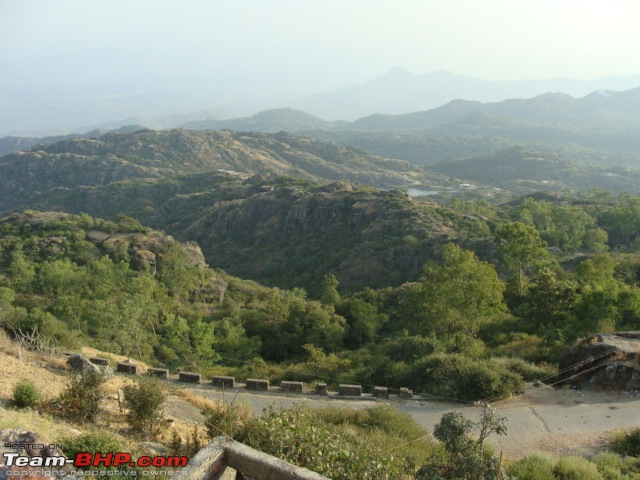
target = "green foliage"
x: 25, y: 394
x: 533, y: 467
x: 460, y: 377
x: 465, y: 456
x: 301, y: 437
x: 460, y: 295
x: 330, y: 296
x: 576, y: 468
x: 193, y: 341
x: 521, y: 249
x: 143, y: 400
x: 627, y: 443
x: 610, y: 465
x: 97, y: 441
x: 83, y: 394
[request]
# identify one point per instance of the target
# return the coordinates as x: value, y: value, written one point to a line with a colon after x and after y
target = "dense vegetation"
x: 473, y: 325
x: 462, y: 299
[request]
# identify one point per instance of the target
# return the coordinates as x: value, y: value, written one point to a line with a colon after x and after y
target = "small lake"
x: 416, y: 192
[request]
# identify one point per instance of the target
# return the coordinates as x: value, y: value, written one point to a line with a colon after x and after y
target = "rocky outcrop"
x: 604, y: 361
x: 78, y: 363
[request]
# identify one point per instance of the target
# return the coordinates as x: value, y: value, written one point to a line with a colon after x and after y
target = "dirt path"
x: 563, y: 422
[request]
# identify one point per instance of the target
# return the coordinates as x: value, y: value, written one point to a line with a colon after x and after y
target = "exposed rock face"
x: 605, y: 361
x: 146, y: 260
x: 195, y: 258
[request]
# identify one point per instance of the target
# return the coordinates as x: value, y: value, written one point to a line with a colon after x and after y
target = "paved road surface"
x: 543, y: 419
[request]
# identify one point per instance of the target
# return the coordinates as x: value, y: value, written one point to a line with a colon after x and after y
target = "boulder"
x: 78, y: 363
x: 604, y: 361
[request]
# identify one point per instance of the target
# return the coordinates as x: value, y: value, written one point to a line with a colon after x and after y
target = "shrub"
x: 83, y: 394
x: 25, y: 394
x: 92, y: 442
x: 627, y: 443
x: 465, y: 454
x: 576, y: 468
x: 528, y: 371
x: 226, y: 419
x: 535, y: 467
x: 609, y: 465
x: 103, y: 443
x: 299, y: 437
x: 144, y: 400
x: 457, y: 376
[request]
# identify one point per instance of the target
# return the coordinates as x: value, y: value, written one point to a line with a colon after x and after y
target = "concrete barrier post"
x: 381, y: 392
x: 291, y: 387
x: 226, y: 382
x: 255, y: 384
x: 124, y: 367
x: 321, y: 389
x: 99, y: 361
x: 189, y: 377
x: 350, y: 390
x: 406, y: 393
x: 162, y: 373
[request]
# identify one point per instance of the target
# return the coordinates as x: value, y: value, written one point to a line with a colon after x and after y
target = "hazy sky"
x: 296, y: 47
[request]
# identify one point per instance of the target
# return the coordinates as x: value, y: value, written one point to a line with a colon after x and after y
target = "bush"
x: 299, y: 437
x: 144, y: 400
x: 535, y: 467
x: 83, y: 394
x: 609, y: 465
x: 25, y: 394
x: 102, y: 442
x: 460, y: 377
x: 627, y: 443
x: 528, y: 371
x: 576, y: 468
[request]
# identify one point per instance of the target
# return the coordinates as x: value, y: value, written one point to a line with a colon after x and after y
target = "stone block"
x: 226, y: 382
x: 125, y: 367
x: 255, y: 384
x: 406, y: 393
x: 321, y: 388
x: 99, y: 361
x: 189, y: 377
x: 291, y: 386
x: 381, y: 392
x: 350, y: 390
x: 162, y: 373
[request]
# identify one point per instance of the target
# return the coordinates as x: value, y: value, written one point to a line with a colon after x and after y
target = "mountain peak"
x: 399, y: 72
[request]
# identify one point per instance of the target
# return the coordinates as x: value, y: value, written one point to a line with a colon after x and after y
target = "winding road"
x: 560, y: 421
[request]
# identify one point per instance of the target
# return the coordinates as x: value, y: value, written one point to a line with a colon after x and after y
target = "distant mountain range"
x: 397, y: 92
x: 400, y: 91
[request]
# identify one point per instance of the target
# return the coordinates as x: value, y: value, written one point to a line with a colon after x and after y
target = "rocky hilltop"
x: 158, y: 154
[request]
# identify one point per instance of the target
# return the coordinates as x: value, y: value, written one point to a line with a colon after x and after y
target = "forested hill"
x: 277, y: 230
x: 155, y: 154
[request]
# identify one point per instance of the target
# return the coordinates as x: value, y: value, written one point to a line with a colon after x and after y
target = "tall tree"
x: 520, y: 248
x: 459, y: 295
